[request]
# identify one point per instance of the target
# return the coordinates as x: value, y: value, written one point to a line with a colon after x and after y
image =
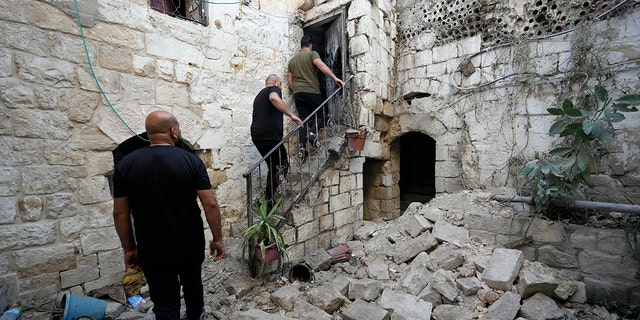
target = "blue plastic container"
x: 80, y: 307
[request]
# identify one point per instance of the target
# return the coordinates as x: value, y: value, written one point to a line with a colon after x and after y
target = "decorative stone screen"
x: 499, y: 22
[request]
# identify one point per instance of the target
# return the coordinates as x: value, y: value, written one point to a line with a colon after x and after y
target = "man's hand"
x: 216, y: 249
x: 297, y: 120
x: 340, y: 82
x: 131, y: 260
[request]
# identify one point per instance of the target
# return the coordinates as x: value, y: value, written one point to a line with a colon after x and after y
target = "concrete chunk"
x: 443, y: 281
x: 416, y: 225
x: 445, y: 257
x: 319, y: 260
x: 503, y: 268
x: 452, y: 312
x: 255, y: 314
x: 286, y: 296
x: 469, y: 286
x: 365, y: 289
x: 363, y: 310
x: 307, y: 311
x: 535, y: 277
x: 416, y: 276
x: 404, y: 305
x: 446, y: 232
x: 429, y: 294
x: 540, y: 307
x: 504, y: 308
x: 407, y: 250
x: 326, y: 297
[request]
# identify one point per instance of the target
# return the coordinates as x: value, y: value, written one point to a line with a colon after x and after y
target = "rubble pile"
x: 423, y: 265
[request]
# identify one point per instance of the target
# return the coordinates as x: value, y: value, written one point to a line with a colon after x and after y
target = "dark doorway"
x: 417, y: 169
x: 329, y: 40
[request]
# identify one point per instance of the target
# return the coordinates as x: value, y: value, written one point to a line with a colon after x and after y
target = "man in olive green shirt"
x: 303, y: 80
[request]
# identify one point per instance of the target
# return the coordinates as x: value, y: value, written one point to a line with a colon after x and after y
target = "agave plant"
x: 264, y: 232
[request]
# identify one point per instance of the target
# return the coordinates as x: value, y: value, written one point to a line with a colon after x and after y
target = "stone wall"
x: 602, y: 258
x: 58, y: 127
x: 482, y: 91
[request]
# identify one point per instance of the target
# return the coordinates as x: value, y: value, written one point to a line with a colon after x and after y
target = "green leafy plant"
x: 584, y: 128
x: 264, y: 232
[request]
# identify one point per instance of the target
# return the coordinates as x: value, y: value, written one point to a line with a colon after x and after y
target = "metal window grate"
x: 192, y: 10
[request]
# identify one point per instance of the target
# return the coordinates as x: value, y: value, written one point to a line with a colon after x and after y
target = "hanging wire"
x: 95, y: 77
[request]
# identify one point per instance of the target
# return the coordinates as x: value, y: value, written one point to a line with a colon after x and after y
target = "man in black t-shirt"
x: 157, y: 186
x: 267, y: 131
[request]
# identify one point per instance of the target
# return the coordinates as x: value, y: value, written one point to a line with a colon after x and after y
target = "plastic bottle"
x: 11, y: 314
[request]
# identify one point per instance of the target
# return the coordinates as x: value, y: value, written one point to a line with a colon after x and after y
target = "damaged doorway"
x: 417, y: 169
x: 329, y: 40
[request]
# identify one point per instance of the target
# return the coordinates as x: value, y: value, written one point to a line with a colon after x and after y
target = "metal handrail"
x: 247, y: 175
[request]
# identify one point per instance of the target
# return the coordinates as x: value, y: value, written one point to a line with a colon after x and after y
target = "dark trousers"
x: 305, y: 104
x: 165, y: 281
x: 277, y: 163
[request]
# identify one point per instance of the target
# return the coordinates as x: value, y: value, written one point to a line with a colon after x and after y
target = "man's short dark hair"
x: 305, y: 41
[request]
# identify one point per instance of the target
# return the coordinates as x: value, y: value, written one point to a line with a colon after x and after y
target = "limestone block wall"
x: 478, y: 79
x: 330, y: 212
x: 602, y: 258
x: 58, y: 127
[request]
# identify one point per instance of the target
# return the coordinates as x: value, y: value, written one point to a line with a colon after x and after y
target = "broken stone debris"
x: 419, y: 268
x: 450, y: 276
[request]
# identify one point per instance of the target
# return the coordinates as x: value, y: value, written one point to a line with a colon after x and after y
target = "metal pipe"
x: 592, y: 205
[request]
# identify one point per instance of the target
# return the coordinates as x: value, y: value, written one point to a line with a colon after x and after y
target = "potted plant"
x: 262, y: 238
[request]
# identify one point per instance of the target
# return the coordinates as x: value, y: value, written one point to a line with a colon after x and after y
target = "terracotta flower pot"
x: 356, y: 139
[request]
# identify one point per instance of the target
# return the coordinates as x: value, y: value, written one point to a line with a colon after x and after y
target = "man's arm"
x: 212, y: 214
x: 122, y: 221
x: 280, y: 105
x: 290, y: 80
x: 325, y: 69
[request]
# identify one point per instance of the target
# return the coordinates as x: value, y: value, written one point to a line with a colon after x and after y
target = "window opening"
x: 192, y: 10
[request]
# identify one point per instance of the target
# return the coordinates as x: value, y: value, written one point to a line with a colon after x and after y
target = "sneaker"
x: 303, y: 154
x: 315, y: 142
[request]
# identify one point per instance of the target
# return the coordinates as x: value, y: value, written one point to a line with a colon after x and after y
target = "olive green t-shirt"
x: 305, y: 78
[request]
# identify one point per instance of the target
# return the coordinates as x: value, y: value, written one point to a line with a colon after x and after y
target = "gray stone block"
x: 365, y: 289
x: 504, y: 308
x: 407, y: 250
x: 503, y: 268
x: 326, y: 297
x: 430, y: 295
x: 417, y: 224
x: 535, y: 277
x: 444, y: 282
x: 469, y: 286
x: 318, y: 260
x: 451, y: 312
x: 540, y: 307
x: 363, y: 310
x: 305, y: 310
x: 446, y: 232
x: 254, y: 314
x: 445, y: 257
x: 405, y: 305
x: 285, y: 297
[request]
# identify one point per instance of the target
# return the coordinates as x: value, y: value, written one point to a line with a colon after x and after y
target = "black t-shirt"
x: 266, y: 123
x: 160, y: 183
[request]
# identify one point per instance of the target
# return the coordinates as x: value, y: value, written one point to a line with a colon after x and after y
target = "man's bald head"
x: 161, y: 127
x: 272, y: 80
